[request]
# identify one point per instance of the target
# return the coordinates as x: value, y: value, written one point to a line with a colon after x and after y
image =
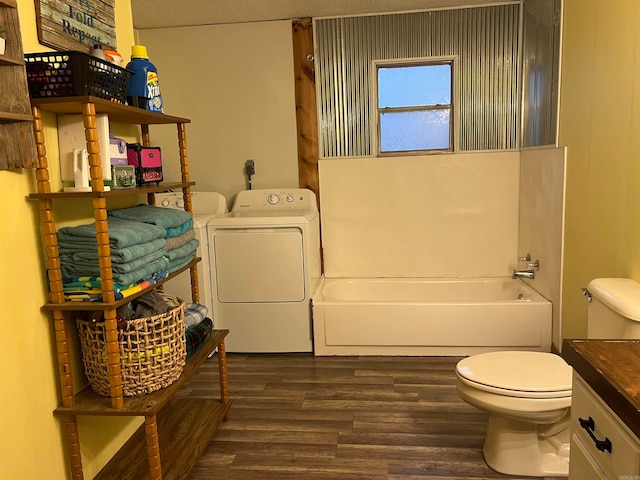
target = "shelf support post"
x: 153, y: 447
x: 104, y: 254
x: 56, y: 289
x: 222, y: 369
x: 73, y: 442
x: 186, y: 196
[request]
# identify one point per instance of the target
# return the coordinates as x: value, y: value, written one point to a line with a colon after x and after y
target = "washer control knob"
x: 273, y: 199
x: 165, y: 203
x: 289, y: 198
x: 180, y: 203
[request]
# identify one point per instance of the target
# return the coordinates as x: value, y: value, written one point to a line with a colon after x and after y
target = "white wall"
x: 420, y: 216
x: 542, y: 190
x: 435, y: 215
x: 236, y: 84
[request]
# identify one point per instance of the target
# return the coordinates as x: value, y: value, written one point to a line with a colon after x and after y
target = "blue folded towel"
x: 122, y: 278
x: 122, y: 233
x: 162, y: 217
x: 79, y: 253
x: 179, y: 230
x: 186, y: 250
x: 91, y: 265
x: 178, y: 263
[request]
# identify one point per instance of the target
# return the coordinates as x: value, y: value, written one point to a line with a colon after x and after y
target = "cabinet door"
x: 621, y: 458
x: 581, y: 465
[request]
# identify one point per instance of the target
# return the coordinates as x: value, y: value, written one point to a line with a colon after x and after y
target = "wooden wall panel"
x: 17, y: 143
x: 306, y: 116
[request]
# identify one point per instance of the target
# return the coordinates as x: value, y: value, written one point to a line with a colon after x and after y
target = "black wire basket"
x: 70, y: 74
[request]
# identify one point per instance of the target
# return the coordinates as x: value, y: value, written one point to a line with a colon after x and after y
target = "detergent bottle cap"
x: 139, y: 51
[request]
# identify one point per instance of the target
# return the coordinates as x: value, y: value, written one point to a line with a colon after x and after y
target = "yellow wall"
x: 600, y: 125
x: 31, y: 445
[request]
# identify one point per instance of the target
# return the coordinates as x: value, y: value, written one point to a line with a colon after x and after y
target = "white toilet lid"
x: 520, y: 374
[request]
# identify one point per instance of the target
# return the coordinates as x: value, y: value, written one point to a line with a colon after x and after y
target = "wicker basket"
x: 69, y: 74
x: 152, y: 352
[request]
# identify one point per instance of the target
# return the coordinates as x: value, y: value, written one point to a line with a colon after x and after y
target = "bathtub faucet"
x: 524, y: 274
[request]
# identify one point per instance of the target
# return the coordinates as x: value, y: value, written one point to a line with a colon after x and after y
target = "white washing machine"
x: 265, y: 263
x: 205, y: 206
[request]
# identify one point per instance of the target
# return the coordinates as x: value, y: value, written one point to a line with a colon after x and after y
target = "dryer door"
x: 259, y: 265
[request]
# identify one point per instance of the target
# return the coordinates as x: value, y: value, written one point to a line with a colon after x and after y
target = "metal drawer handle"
x: 590, y: 426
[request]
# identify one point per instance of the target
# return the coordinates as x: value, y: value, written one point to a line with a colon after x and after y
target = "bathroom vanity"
x: 605, y: 411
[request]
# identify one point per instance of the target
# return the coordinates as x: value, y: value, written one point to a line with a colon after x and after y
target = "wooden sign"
x: 76, y: 24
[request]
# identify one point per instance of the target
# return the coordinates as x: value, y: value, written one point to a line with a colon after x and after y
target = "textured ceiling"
x: 180, y: 13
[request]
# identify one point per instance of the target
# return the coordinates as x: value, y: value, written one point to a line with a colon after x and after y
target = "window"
x: 415, y: 106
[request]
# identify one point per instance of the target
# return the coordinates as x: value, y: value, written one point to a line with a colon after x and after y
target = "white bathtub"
x: 434, y: 316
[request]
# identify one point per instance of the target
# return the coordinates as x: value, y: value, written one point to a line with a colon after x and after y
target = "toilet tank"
x: 614, y: 308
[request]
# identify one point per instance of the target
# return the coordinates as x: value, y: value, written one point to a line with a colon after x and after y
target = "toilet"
x: 528, y: 394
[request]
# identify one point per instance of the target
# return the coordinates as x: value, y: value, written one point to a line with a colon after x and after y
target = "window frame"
x: 376, y: 111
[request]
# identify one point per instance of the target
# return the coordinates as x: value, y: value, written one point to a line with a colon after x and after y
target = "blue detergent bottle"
x: 144, y: 88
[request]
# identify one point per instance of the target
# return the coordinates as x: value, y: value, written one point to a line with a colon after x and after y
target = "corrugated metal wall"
x: 541, y: 51
x: 485, y: 39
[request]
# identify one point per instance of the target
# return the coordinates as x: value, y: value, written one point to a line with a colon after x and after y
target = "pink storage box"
x: 147, y: 161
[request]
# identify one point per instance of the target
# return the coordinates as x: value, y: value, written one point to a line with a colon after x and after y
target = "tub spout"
x: 524, y: 274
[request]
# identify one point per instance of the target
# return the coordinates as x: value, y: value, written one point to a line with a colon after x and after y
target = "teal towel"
x: 178, y: 263
x: 187, y: 250
x: 179, y: 230
x: 126, y: 267
x: 81, y: 253
x: 122, y: 233
x: 162, y: 217
x: 120, y: 278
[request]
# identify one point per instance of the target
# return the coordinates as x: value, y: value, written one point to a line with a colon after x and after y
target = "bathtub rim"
x: 318, y: 294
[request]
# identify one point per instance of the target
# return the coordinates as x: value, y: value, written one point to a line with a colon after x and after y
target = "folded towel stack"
x: 146, y: 244
x: 199, y: 326
x: 197, y: 335
x: 137, y: 251
x: 180, y: 242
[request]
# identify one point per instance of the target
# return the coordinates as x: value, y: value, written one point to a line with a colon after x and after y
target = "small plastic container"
x: 98, y: 52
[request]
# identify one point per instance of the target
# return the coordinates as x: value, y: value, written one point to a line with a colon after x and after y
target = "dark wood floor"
x: 300, y: 417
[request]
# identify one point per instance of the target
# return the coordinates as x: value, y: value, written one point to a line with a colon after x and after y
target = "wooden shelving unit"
x: 17, y: 149
x: 175, y: 431
x: 146, y: 189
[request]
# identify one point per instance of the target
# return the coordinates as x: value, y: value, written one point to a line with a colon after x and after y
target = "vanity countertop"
x: 612, y: 370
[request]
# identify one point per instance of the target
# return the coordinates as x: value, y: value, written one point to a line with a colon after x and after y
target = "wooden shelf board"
x: 90, y: 403
x: 93, y: 306
x: 116, y: 111
x: 185, y: 429
x: 118, y: 192
x: 6, y: 60
x: 9, y: 3
x: 8, y: 117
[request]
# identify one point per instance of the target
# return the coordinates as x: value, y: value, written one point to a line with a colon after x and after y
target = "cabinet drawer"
x: 624, y: 458
x: 581, y: 465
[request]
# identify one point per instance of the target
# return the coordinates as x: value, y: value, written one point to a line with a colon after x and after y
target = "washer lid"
x: 533, y: 372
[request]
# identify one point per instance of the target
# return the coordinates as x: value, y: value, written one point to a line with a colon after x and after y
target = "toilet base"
x: 514, y: 447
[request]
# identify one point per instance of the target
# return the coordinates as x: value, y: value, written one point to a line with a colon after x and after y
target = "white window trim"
x: 375, y: 120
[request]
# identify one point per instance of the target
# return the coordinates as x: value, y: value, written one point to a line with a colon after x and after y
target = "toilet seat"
x: 517, y: 374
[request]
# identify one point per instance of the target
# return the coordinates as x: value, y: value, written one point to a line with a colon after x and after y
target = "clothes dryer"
x: 205, y: 206
x: 265, y: 263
